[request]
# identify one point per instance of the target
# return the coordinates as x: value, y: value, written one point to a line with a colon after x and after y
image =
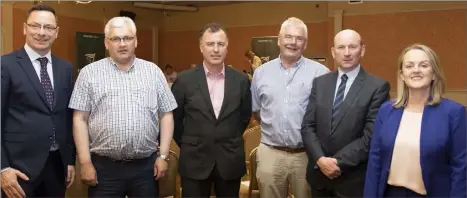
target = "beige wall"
x: 441, y: 25
x: 273, y: 13
x: 149, y: 21
x: 247, y: 14
x: 373, y: 7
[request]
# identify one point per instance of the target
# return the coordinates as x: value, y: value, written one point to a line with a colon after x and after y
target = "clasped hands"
x: 329, y: 167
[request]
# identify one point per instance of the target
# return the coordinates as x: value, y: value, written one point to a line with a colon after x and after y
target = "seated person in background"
x: 420, y: 138
x: 254, y: 60
x: 170, y: 74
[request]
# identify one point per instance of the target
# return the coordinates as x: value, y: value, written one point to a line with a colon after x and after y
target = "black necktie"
x: 46, y: 82
x: 339, y: 98
x: 49, y: 92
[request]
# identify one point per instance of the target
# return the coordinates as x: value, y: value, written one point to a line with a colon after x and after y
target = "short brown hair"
x: 42, y: 7
x: 249, y: 54
x: 437, y: 85
x: 211, y: 27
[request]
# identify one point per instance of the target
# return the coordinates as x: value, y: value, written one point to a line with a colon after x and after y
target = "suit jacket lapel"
x: 56, y: 70
x: 350, y: 97
x: 25, y: 62
x: 203, y: 86
x: 329, y: 97
x: 228, y: 86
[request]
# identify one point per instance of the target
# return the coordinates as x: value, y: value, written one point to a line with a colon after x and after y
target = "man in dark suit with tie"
x: 36, y: 133
x: 338, y: 122
x: 214, y: 108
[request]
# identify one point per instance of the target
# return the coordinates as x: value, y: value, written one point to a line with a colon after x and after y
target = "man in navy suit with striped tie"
x: 338, y: 122
x: 37, y: 149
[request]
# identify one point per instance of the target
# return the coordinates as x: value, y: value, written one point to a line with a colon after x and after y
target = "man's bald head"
x: 348, y: 34
x: 348, y: 49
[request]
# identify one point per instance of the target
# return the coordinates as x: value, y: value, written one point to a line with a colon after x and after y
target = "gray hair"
x: 118, y: 22
x: 293, y: 21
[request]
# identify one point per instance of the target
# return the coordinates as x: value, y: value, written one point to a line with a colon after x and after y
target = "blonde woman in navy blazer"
x: 418, y: 148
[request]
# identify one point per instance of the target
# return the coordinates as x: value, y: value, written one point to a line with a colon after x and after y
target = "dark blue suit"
x: 28, y: 122
x: 442, y: 149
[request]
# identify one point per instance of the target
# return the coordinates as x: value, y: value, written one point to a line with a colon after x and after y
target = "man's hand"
x: 329, y: 167
x: 160, y: 167
x: 88, y: 174
x: 10, y: 183
x: 70, y: 177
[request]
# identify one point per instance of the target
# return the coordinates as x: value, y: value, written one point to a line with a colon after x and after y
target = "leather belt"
x: 122, y: 161
x: 288, y: 149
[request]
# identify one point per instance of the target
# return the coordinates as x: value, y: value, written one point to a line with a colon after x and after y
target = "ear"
x: 24, y: 29
x: 363, y: 51
x: 136, y: 42
x: 400, y: 75
x: 56, y: 33
x: 333, y: 53
x: 106, y: 44
x: 279, y: 40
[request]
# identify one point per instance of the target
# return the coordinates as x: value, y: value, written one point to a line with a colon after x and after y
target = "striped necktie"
x: 339, y: 98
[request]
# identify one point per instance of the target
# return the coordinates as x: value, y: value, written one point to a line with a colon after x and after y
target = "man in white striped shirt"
x: 119, y: 103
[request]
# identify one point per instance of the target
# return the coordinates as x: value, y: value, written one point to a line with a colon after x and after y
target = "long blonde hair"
x: 437, y: 85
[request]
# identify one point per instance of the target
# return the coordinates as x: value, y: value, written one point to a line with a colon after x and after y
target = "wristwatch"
x: 164, y: 157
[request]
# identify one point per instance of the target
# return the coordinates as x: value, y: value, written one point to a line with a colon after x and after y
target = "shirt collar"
x: 33, y: 55
x: 295, y: 64
x: 351, y: 74
x: 208, y: 73
x: 115, y: 64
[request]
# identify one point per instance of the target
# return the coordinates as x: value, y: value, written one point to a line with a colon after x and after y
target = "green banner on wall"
x: 89, y: 48
x: 265, y: 47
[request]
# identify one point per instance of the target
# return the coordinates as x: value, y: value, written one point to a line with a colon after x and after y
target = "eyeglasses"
x: 116, y: 39
x: 299, y: 39
x: 37, y: 27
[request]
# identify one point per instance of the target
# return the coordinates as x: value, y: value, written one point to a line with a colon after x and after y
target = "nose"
x: 122, y: 43
x: 293, y: 40
x: 416, y: 68
x: 41, y: 31
x: 216, y: 48
x: 347, y: 52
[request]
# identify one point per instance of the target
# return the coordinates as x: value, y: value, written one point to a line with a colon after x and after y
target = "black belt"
x: 287, y: 149
x: 119, y: 160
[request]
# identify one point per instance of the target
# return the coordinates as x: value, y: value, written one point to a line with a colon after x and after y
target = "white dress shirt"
x: 351, y: 77
x: 37, y: 65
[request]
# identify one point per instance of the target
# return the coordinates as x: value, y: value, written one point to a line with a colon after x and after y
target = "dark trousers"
x: 51, y: 181
x: 202, y: 188
x: 324, y: 192
x: 124, y: 178
x: 333, y: 192
x: 395, y: 191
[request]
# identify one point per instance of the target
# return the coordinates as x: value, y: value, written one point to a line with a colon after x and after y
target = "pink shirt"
x: 216, y: 88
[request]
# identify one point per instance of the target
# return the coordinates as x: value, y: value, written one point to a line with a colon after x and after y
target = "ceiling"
x: 197, y: 3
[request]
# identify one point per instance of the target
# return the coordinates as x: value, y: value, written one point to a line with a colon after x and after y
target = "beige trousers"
x: 277, y: 170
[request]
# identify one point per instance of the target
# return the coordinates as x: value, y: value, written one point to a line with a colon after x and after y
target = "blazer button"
x: 50, y: 137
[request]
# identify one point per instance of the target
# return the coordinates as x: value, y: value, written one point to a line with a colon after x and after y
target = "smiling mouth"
x: 40, y: 40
